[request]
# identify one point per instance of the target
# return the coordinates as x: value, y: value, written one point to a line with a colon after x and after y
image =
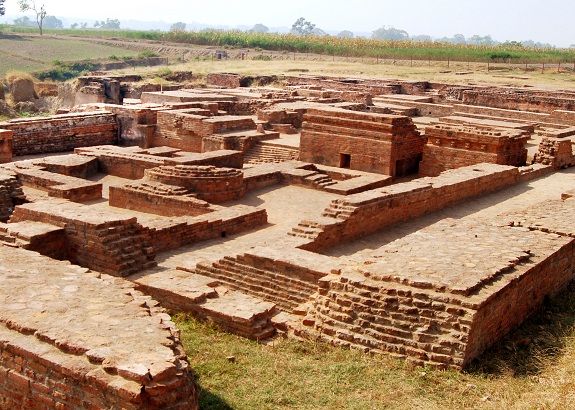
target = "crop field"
x: 31, y: 54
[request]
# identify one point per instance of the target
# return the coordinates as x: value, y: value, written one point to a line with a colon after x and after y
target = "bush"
x: 65, y: 71
x: 146, y: 54
x: 262, y: 57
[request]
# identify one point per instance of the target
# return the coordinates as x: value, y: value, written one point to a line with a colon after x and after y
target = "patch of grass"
x: 147, y: 54
x: 532, y: 368
x: 262, y: 57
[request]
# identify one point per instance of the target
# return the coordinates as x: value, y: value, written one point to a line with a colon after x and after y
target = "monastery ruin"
x: 376, y: 215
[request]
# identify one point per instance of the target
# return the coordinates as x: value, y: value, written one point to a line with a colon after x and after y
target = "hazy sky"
x: 548, y: 21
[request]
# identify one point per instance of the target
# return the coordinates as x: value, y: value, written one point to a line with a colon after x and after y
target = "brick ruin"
x: 330, y: 209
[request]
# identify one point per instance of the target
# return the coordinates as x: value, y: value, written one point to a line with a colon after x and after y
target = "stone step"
x: 286, y: 292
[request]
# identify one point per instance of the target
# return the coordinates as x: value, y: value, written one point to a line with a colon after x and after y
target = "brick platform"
x: 56, y: 324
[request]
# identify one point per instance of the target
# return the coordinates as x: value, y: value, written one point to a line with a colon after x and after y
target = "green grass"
x: 35, y: 54
x: 532, y: 368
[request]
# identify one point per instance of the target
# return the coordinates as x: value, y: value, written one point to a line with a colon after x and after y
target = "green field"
x: 32, y: 54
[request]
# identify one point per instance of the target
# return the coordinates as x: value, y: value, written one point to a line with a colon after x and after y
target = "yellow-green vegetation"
x: 12, y: 76
x: 329, y: 45
x: 532, y: 368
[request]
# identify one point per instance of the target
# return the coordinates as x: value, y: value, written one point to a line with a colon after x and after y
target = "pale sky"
x: 548, y: 21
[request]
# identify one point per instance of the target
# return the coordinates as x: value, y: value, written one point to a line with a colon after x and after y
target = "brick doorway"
x: 345, y: 161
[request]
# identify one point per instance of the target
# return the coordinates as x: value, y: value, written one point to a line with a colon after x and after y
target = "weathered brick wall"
x: 380, y: 143
x: 555, y: 152
x: 186, y: 230
x: 361, y: 214
x: 179, y: 129
x: 157, y: 199
x: 5, y: 145
x: 53, y: 348
x: 60, y: 133
x: 452, y: 146
x: 226, y: 80
x: 434, y: 298
x: 10, y: 194
x: 518, y: 100
x: 99, y: 241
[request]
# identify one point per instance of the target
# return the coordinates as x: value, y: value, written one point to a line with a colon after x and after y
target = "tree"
x: 478, y: 40
x: 302, y: 27
x: 23, y: 21
x: 318, y: 32
x: 2, y: 9
x: 422, y: 38
x: 74, y: 26
x: 108, y: 24
x: 458, y: 39
x: 53, y: 22
x: 345, y: 34
x: 84, y: 25
x: 389, y: 33
x: 179, y: 26
x: 259, y: 28
x: 26, y: 5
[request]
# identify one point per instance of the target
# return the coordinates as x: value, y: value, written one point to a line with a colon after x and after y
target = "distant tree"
x: 458, y: 39
x: 422, y: 38
x: 479, y: 40
x: 259, y: 28
x: 74, y: 26
x: 2, y: 9
x: 179, y: 26
x: 53, y: 22
x: 390, y: 33
x: 26, y: 5
x: 23, y: 21
x: 302, y: 27
x: 318, y: 32
x: 108, y: 24
x: 84, y: 25
x: 345, y: 34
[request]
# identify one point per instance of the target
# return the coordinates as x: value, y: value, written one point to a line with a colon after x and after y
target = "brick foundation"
x: 61, y: 133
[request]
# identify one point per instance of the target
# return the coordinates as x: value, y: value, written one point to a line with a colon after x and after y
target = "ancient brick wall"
x: 60, y: 133
x: 518, y: 100
x: 10, y: 194
x: 361, y: 214
x: 54, y: 343
x: 5, y: 145
x: 555, y: 152
x: 102, y: 242
x: 224, y: 80
x: 378, y: 143
x: 157, y: 199
x: 440, y: 305
x: 452, y: 146
x: 165, y: 235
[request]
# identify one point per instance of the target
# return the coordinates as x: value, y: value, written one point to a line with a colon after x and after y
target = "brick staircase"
x: 320, y: 181
x: 307, y: 229
x: 264, y: 153
x: 238, y: 273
